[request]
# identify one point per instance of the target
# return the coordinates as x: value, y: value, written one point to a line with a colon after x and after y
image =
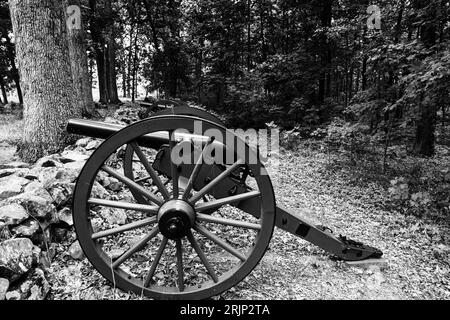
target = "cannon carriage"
x: 195, y: 228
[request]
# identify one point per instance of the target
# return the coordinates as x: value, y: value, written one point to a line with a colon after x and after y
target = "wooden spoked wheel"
x: 179, y: 243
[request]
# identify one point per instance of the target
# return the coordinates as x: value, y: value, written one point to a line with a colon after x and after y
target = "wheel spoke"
x: 155, y: 262
x: 196, y: 171
x: 127, y: 227
x: 133, y: 185
x: 135, y: 248
x: 156, y: 180
x: 202, y: 257
x: 228, y: 222
x: 124, y: 205
x: 174, y: 169
x: 216, y: 181
x: 180, y: 266
x: 221, y: 202
x: 220, y: 242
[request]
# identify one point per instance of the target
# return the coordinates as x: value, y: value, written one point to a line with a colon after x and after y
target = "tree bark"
x: 43, y: 60
x: 111, y: 55
x: 79, y: 63
x: 4, y: 93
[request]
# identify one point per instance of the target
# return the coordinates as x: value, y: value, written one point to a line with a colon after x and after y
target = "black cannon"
x: 194, y: 228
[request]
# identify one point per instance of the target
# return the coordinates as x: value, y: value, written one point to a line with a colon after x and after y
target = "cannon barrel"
x: 101, y: 130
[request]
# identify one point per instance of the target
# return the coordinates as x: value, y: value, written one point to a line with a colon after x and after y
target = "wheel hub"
x: 175, y: 219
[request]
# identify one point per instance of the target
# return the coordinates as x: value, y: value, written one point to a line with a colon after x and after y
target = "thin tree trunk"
x: 99, y: 50
x: 111, y: 56
x: 326, y: 16
x: 12, y: 56
x: 249, y: 14
x: 364, y: 73
x: 135, y: 66
x: 43, y: 60
x: 425, y: 132
x: 4, y: 93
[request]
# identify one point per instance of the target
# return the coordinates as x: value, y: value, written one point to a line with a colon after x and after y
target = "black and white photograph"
x: 229, y: 153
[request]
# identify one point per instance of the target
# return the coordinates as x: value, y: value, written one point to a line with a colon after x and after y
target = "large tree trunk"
x: 43, y: 60
x: 79, y: 61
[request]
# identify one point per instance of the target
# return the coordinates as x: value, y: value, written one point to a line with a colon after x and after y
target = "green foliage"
x: 349, y: 139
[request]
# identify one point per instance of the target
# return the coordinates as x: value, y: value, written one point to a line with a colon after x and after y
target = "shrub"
x: 349, y: 139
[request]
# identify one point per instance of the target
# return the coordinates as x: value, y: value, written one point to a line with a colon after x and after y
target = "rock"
x: 17, y: 256
x: 6, y: 172
x: 75, y: 251
x: 35, y: 287
x: 59, y: 235
x: 83, y: 142
x: 37, y: 206
x: 27, y: 229
x: 46, y: 175
x: 98, y: 191
x: 14, y: 165
x: 13, y: 295
x: 92, y: 145
x: 113, y: 216
x: 11, y: 186
x: 370, y: 263
x: 28, y: 174
x: 96, y: 224
x: 65, y: 215
x: 34, y: 187
x: 66, y: 175
x: 13, y: 214
x: 375, y: 281
x: 4, y: 286
x: 48, y: 162
x: 75, y: 166
x: 61, y: 193
x: 114, y: 184
x: 73, y: 156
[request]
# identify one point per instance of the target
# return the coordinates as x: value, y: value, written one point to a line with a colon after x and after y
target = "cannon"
x: 198, y: 204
